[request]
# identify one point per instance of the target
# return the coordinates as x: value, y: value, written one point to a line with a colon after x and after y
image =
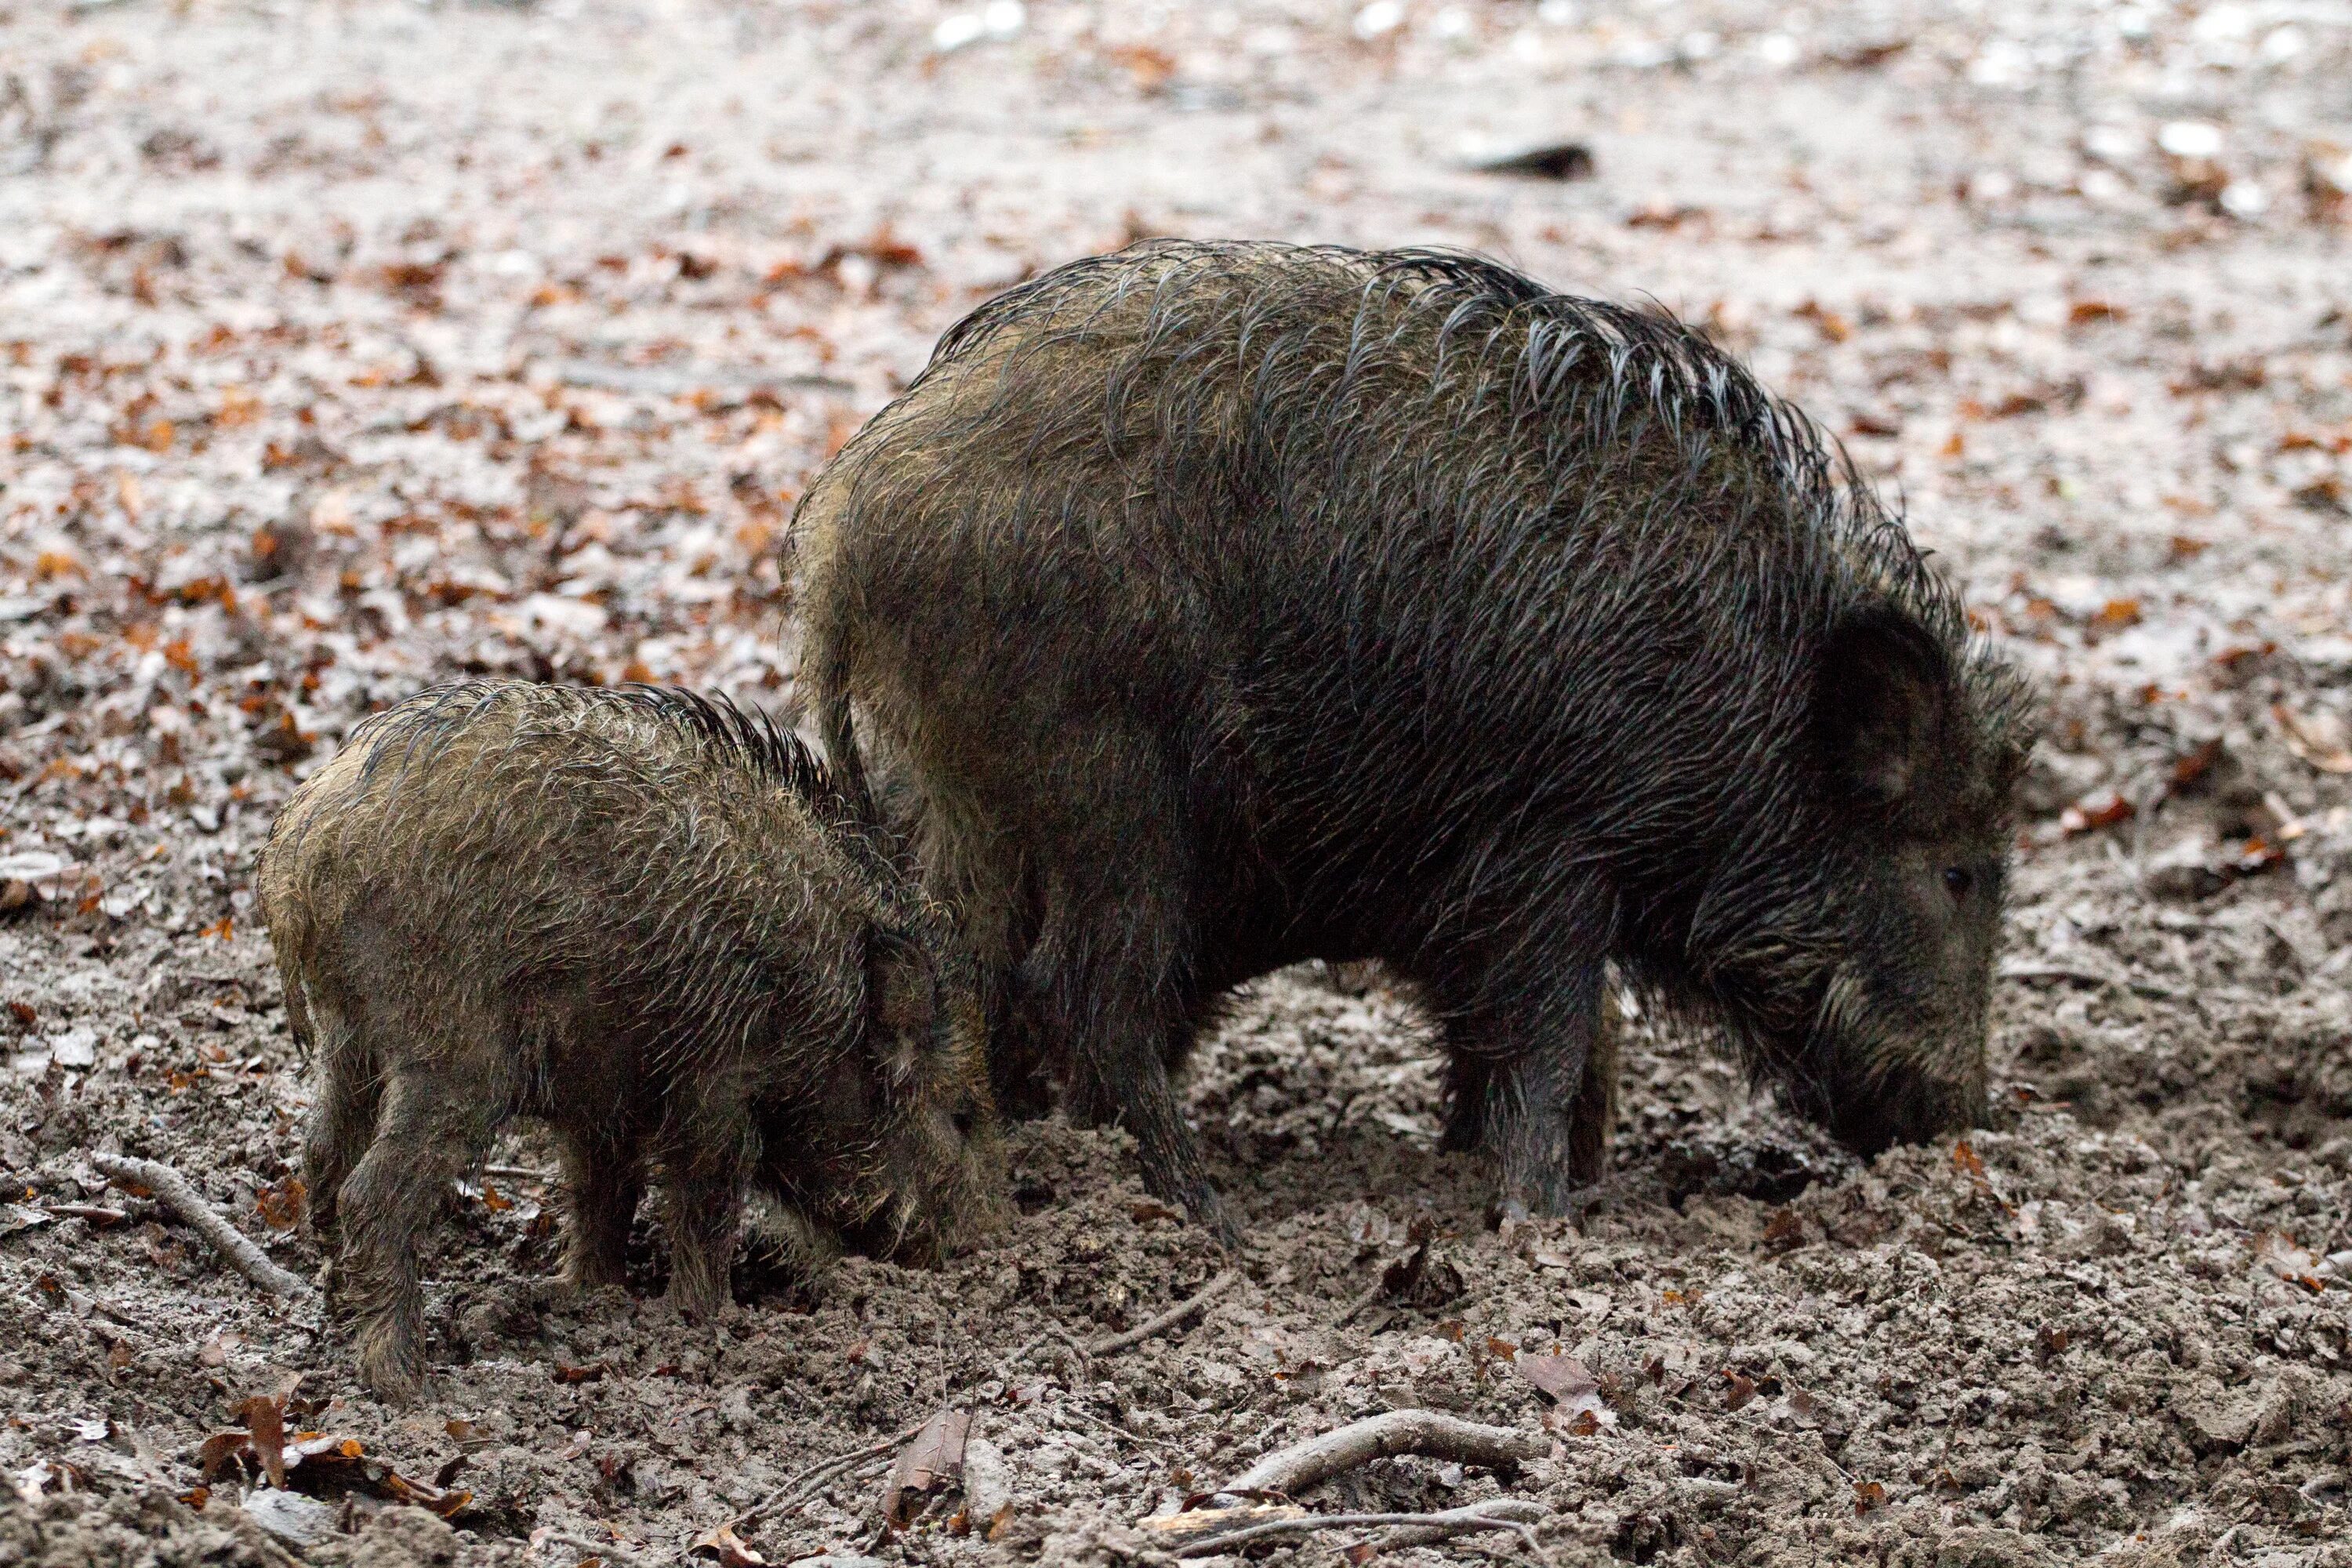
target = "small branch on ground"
x: 1377, y: 1289
x: 98, y: 1214
x: 1052, y: 1332
x: 804, y: 1486
x: 173, y: 1188
x: 1417, y: 1529
x: 607, y: 1550
x: 1303, y: 1465
x: 1166, y: 1320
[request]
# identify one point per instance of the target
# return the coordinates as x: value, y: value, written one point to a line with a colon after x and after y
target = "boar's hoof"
x: 1206, y: 1207
x: 394, y: 1373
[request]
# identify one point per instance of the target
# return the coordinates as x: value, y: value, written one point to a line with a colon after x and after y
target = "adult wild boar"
x: 1220, y: 605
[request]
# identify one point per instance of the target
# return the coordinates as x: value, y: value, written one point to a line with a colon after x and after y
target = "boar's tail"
x: 839, y: 732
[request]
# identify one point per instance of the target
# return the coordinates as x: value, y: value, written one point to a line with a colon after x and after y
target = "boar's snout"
x: 1879, y: 1073
x: 1901, y: 1108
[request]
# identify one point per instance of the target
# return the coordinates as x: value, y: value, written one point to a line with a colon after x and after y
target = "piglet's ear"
x: 899, y: 991
x: 1883, y: 706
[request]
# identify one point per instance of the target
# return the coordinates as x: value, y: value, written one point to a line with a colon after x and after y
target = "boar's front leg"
x: 707, y: 1155
x: 342, y: 1122
x: 1107, y: 982
x: 1531, y: 1078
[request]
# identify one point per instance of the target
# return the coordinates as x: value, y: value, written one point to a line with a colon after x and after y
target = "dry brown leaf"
x: 2277, y: 1252
x: 1578, y: 1409
x: 266, y: 1420
x: 2191, y: 767
x: 280, y: 1204
x: 222, y: 1450
x: 2092, y: 813
x: 932, y: 1460
x: 1150, y: 69
x: 2115, y: 615
x: 1559, y: 1378
x: 446, y: 1504
x: 724, y: 1547
x: 2319, y: 739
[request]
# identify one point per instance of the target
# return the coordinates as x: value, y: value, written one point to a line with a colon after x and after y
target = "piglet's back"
x: 503, y: 835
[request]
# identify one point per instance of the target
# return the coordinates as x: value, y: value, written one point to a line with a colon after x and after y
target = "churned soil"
x: 351, y: 346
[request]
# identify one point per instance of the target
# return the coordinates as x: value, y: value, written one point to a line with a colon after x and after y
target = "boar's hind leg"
x: 436, y: 1122
x: 1595, y: 1111
x: 1534, y: 1086
x: 342, y: 1122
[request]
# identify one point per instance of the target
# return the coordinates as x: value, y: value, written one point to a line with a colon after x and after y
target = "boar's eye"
x: 965, y: 1119
x: 1957, y: 881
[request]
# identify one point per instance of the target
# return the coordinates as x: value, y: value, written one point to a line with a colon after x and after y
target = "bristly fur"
x: 1221, y: 605
x: 650, y: 919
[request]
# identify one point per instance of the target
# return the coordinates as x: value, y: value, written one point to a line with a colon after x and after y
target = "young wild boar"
x: 650, y: 920
x: 1228, y: 605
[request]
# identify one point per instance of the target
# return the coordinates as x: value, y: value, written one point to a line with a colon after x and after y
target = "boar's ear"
x: 1882, y: 702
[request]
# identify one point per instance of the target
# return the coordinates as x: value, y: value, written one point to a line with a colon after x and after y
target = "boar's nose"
x: 1872, y: 1118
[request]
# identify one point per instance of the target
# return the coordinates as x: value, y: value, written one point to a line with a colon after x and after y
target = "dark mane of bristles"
x: 752, y: 741
x: 1632, y: 367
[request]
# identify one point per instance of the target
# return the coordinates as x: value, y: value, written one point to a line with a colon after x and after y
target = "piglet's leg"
x: 437, y: 1123
x: 707, y: 1146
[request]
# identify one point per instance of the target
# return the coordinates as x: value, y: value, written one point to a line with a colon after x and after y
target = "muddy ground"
x: 351, y: 346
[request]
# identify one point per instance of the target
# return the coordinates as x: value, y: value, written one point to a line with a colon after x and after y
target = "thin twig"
x: 604, y: 1548
x: 1050, y: 1331
x: 1166, y: 1320
x: 1083, y: 1414
x: 2147, y: 988
x: 1303, y: 1465
x: 518, y: 1172
x: 801, y: 1487
x: 1501, y: 1514
x: 1379, y: 1288
x: 181, y: 1198
x: 2055, y: 972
